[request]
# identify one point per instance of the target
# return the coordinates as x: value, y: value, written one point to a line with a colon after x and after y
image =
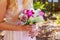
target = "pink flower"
x: 41, y: 13
x: 32, y: 11
x: 24, y: 11
x: 23, y: 17
x: 29, y: 14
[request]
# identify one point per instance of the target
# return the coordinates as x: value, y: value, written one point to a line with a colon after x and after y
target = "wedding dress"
x: 10, y: 15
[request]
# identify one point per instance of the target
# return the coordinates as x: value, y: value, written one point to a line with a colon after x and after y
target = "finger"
x: 29, y: 28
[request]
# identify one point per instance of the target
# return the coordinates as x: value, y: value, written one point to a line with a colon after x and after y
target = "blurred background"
x: 51, y: 8
x: 50, y: 5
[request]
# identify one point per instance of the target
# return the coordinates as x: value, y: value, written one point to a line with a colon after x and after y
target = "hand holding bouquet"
x: 32, y: 17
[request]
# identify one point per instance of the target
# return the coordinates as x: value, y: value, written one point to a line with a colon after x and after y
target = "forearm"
x: 5, y: 26
x: 3, y: 5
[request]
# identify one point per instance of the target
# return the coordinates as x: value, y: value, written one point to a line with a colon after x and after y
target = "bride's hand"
x: 32, y: 32
x: 28, y: 27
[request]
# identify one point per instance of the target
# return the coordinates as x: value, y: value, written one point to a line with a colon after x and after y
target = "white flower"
x: 36, y: 12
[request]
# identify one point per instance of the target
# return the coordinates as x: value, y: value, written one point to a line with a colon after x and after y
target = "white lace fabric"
x: 13, y: 11
x: 14, y: 8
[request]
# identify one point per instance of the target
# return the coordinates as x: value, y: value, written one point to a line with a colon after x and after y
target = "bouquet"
x: 32, y: 17
x: 29, y: 17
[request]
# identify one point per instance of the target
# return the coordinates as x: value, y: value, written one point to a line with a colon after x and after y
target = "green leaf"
x: 39, y: 5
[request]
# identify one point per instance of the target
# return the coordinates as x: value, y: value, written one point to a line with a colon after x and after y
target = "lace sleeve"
x: 12, y: 12
x: 16, y: 6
